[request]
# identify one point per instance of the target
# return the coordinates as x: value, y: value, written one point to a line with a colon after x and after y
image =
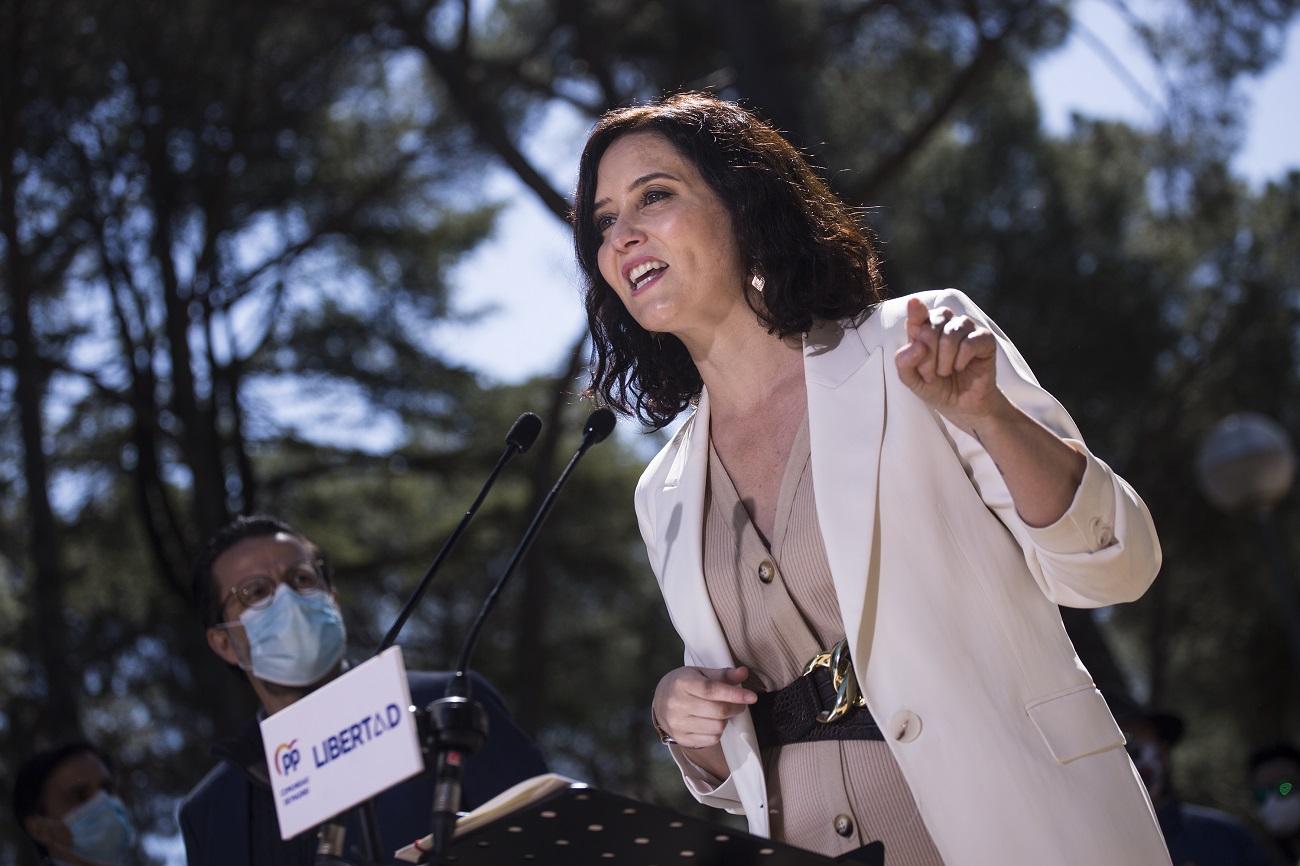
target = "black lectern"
x: 581, y: 826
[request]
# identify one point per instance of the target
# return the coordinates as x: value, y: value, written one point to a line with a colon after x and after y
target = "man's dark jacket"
x: 229, y: 817
x: 1200, y: 836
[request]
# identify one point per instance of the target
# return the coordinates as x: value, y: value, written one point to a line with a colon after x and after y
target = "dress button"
x: 844, y: 825
x: 766, y: 571
x: 905, y: 726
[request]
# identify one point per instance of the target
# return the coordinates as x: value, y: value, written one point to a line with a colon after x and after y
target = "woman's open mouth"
x: 644, y: 274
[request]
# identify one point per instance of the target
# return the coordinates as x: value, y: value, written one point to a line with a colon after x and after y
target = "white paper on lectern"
x: 509, y: 801
x: 348, y: 740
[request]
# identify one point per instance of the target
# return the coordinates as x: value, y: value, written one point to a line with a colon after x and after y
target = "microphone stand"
x: 458, y: 725
x: 331, y: 834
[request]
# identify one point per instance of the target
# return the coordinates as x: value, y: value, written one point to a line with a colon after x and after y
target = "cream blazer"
x: 949, y: 601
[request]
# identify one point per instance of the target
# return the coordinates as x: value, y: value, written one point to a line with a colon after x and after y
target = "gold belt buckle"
x: 847, y: 693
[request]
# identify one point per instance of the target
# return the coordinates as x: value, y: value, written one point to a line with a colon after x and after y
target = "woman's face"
x: 667, y: 245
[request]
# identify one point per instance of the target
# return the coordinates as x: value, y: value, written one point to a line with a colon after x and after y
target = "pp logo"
x: 287, y: 757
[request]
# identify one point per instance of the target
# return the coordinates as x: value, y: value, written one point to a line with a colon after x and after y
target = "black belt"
x: 789, y: 715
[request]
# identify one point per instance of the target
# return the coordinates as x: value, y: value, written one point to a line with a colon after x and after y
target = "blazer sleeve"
x: 1104, y: 549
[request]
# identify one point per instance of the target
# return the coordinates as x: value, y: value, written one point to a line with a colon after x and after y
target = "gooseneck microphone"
x: 522, y: 435
x: 459, y: 722
x: 598, y: 427
x: 332, y: 834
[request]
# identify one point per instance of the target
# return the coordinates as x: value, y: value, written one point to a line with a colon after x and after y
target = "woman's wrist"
x: 996, y: 418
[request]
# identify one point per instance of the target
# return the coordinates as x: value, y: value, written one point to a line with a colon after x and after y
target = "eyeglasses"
x: 257, y: 591
x: 1281, y: 789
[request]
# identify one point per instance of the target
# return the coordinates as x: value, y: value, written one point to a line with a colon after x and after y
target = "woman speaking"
x: 863, y: 529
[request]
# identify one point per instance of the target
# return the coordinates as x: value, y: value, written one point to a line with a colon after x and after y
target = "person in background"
x: 270, y: 611
x: 1196, y: 835
x: 64, y: 801
x: 1274, y: 776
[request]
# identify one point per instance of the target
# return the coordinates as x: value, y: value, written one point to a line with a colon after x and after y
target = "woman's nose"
x: 626, y: 233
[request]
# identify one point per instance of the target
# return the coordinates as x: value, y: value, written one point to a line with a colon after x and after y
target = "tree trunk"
x: 198, y: 444
x: 46, y: 624
x: 753, y: 32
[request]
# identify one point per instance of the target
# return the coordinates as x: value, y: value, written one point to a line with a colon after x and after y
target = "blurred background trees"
x: 228, y: 232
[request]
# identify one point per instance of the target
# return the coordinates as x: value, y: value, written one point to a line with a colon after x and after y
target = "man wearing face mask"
x: 1195, y: 835
x: 63, y: 800
x: 271, y: 612
x: 1274, y: 778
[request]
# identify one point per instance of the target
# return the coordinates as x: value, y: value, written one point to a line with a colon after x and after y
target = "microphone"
x: 522, y: 435
x: 460, y: 722
x: 599, y: 425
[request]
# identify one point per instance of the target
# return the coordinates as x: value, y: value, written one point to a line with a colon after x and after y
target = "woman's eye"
x: 654, y: 195
x: 603, y: 223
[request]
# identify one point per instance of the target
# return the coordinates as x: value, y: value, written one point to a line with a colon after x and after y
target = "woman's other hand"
x: 950, y: 363
x: 692, y: 705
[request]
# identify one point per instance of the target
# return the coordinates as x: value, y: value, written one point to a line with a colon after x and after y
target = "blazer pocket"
x: 1075, y: 724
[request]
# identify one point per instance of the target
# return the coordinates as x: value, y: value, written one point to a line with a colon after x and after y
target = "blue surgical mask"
x: 295, y: 640
x: 101, y: 830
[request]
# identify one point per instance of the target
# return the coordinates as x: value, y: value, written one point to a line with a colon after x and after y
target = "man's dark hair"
x: 817, y: 260
x: 203, y: 582
x: 1272, y: 752
x: 29, y: 781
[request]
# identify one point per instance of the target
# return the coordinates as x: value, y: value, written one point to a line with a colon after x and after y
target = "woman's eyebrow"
x: 643, y: 179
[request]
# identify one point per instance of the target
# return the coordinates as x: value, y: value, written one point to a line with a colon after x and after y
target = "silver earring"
x: 758, y: 283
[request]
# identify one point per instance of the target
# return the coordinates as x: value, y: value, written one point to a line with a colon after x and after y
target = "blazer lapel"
x: 846, y: 417
x: 680, y: 522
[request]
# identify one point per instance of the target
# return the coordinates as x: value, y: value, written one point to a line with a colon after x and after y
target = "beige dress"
x: 832, y: 796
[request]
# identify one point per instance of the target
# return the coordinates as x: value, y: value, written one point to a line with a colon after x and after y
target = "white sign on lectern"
x: 341, y: 744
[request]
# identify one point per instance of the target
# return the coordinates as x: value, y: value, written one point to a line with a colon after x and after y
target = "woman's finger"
x: 918, y: 315
x: 906, y: 360
x: 721, y: 694
x: 955, y: 332
x: 979, y: 345
x: 697, y: 741
x: 702, y: 726
x: 717, y: 710
x: 929, y: 336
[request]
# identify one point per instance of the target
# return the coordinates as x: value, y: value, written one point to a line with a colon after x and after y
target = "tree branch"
x: 481, y: 113
x: 891, y: 164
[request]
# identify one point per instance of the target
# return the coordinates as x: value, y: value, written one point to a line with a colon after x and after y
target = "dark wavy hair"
x: 818, y: 261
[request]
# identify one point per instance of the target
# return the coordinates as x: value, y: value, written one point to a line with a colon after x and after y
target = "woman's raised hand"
x: 950, y: 363
x: 692, y: 704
